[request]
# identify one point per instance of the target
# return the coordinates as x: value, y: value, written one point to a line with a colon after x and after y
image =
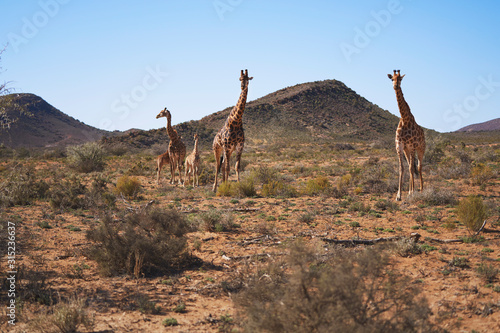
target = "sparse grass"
x: 487, y: 272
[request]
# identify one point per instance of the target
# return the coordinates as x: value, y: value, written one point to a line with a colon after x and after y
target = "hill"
x: 308, y: 112
x: 491, y: 125
x: 42, y: 125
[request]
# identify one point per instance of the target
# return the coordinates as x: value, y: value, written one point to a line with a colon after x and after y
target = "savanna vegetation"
x: 311, y: 239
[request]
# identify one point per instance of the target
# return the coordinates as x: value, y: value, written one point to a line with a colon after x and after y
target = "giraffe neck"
x: 195, y: 150
x: 172, y: 134
x: 236, y: 116
x: 404, y: 109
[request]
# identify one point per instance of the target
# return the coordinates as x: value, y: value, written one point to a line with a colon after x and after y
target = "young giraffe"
x: 409, y: 137
x: 192, y: 164
x: 161, y: 160
x: 176, y: 148
x: 231, y: 137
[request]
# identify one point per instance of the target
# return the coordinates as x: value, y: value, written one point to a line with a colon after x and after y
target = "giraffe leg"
x: 410, y: 158
x: 218, y: 163
x: 158, y: 169
x: 186, y: 174
x: 179, y: 167
x: 399, y: 148
x: 420, y: 161
x: 173, y: 166
x: 239, y: 150
x: 197, y: 176
x: 227, y: 157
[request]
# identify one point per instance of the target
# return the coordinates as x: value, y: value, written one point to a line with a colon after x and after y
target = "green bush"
x: 343, y: 292
x: 87, y: 157
x: 471, y: 212
x: 127, y: 186
x: 146, y: 242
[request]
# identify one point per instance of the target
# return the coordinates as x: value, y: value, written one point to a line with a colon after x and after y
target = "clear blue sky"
x: 116, y: 64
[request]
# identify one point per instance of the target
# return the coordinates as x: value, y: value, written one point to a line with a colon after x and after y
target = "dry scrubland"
x: 102, y: 248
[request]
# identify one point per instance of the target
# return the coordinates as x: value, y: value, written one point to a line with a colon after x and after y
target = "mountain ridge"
x: 42, y: 125
x: 490, y: 125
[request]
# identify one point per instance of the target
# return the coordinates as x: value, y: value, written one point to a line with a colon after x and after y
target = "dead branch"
x: 415, y: 236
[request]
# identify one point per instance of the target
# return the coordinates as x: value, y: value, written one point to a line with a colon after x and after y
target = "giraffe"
x: 231, y: 137
x: 410, y: 137
x: 160, y: 161
x: 192, y: 164
x: 176, y: 148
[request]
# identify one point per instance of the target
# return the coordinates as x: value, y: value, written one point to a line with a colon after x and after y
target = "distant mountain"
x: 308, y: 112
x: 491, y: 125
x: 43, y: 125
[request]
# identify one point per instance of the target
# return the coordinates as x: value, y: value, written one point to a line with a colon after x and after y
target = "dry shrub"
x: 66, y: 317
x: 71, y: 193
x: 433, y: 197
x: 146, y: 242
x: 317, y: 186
x: 216, y: 220
x: 346, y: 292
x: 87, y: 157
x: 481, y: 174
x: 472, y: 212
x: 407, y: 247
x: 279, y: 189
x: 242, y: 189
x: 21, y: 187
x: 127, y: 186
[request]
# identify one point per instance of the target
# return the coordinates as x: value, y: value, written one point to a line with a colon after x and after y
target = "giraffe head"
x: 244, y: 79
x: 396, y: 78
x: 164, y: 113
x: 195, y: 137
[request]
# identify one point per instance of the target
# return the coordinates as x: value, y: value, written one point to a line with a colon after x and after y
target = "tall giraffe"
x: 410, y: 137
x: 176, y: 148
x: 192, y: 164
x: 231, y: 137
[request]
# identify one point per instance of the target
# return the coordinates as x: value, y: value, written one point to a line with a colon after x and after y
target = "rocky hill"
x: 308, y: 112
x: 42, y: 125
x: 491, y: 125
